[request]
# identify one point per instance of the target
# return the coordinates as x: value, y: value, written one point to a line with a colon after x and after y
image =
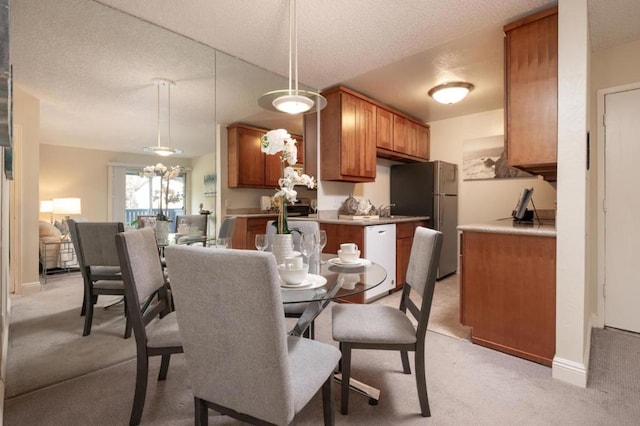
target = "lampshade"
x: 66, y: 206
x: 46, y: 206
x: 292, y: 100
x: 164, y: 151
x: 450, y: 93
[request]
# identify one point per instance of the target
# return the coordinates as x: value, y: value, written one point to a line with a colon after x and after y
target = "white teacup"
x: 347, y: 257
x: 348, y: 247
x: 293, y: 262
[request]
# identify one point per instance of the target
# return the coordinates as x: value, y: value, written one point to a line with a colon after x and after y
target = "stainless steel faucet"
x: 385, y: 210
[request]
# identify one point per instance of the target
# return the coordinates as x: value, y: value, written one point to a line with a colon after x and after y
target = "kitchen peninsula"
x: 508, y: 287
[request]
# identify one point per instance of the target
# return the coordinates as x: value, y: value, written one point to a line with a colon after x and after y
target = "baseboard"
x: 30, y: 288
x: 569, y: 371
x: 572, y: 372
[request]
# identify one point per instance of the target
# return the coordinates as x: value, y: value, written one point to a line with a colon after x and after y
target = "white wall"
x: 482, y: 201
x: 573, y: 329
x: 24, y: 189
x: 83, y: 173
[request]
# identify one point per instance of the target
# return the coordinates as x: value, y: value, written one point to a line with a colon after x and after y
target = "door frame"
x: 599, y: 320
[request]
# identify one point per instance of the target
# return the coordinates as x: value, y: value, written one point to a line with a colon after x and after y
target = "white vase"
x: 281, y: 246
x: 162, y: 231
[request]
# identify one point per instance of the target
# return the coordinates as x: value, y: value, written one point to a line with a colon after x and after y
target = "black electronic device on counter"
x: 522, y: 214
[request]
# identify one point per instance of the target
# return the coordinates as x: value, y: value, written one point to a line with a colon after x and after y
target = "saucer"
x: 337, y: 262
x: 310, y: 282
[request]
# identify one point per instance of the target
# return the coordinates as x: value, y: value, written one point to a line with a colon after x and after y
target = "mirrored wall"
x: 90, y: 68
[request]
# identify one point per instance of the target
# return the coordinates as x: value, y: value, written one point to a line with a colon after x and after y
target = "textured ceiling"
x: 91, y: 65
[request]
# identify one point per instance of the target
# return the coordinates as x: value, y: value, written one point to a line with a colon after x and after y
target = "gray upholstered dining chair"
x: 149, y: 309
x: 387, y: 328
x: 240, y: 360
x: 95, y: 247
x: 295, y: 310
x: 227, y: 227
x: 199, y: 221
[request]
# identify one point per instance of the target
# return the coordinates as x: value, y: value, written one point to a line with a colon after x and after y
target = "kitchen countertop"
x: 370, y: 222
x: 509, y: 227
x: 256, y: 213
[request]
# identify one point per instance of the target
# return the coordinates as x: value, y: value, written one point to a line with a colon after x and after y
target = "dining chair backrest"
x: 96, y: 241
x: 303, y: 226
x: 229, y: 309
x: 73, y: 233
x: 198, y: 221
x: 422, y: 272
x: 142, y: 274
x: 227, y: 227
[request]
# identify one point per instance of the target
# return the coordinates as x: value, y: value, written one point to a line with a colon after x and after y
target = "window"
x: 131, y: 195
x: 142, y: 195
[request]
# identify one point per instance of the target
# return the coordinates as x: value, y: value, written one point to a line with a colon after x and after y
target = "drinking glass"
x: 313, y: 203
x: 307, y: 245
x: 223, y: 243
x: 321, y: 240
x: 262, y: 242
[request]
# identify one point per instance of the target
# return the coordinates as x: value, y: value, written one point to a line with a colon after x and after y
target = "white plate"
x: 361, y: 262
x: 312, y: 281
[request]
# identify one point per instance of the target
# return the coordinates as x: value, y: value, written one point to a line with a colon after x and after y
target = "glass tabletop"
x: 341, y: 281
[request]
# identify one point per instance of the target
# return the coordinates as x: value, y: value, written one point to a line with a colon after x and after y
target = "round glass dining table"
x: 334, y: 281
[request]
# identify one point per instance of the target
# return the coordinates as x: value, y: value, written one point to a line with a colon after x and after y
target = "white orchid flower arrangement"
x: 280, y: 141
x: 166, y: 174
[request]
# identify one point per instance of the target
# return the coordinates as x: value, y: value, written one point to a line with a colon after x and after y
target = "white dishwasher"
x: 380, y: 247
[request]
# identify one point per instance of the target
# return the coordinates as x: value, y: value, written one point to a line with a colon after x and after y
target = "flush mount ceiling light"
x: 292, y: 100
x: 164, y: 151
x: 450, y: 93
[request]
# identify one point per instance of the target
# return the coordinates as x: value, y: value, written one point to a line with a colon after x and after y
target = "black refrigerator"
x: 430, y: 189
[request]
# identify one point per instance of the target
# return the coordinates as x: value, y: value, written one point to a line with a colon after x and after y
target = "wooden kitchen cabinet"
x: 404, y: 241
x: 246, y: 229
x: 531, y: 89
x: 410, y: 139
x: 248, y: 166
x: 384, y: 128
x: 508, y: 293
x: 348, y: 135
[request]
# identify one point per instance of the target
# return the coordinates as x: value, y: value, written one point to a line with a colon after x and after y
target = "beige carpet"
x: 46, y: 345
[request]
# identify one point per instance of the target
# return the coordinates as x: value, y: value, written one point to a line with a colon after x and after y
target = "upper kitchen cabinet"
x: 531, y: 116
x: 248, y: 166
x: 356, y: 129
x: 348, y: 137
x: 410, y: 140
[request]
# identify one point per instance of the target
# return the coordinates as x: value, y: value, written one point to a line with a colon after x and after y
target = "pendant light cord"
x: 158, y: 87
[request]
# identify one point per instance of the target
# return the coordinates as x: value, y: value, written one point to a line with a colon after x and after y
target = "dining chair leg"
x: 88, y: 315
x: 327, y: 402
x: 83, y: 311
x: 201, y: 412
x: 346, y: 375
x: 164, y: 367
x: 406, y: 368
x: 142, y: 372
x: 421, y: 383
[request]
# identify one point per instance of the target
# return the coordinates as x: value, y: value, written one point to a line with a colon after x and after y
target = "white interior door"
x: 622, y: 211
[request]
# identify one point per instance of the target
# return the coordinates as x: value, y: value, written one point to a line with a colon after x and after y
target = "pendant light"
x: 451, y: 93
x: 292, y: 100
x: 164, y: 151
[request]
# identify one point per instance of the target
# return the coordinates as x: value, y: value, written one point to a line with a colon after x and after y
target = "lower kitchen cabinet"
x: 508, y: 293
x: 246, y: 229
